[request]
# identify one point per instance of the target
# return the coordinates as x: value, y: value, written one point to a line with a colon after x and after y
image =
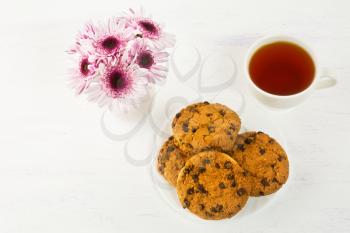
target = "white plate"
x: 167, y: 193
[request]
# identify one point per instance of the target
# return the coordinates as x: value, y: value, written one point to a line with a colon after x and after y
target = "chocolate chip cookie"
x: 170, y: 161
x: 204, y: 126
x: 264, y: 160
x: 212, y: 185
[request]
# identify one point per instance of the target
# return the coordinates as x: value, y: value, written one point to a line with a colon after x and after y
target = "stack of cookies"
x: 215, y: 169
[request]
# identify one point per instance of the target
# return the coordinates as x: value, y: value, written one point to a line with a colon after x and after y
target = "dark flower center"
x: 84, y: 67
x: 145, y: 60
x: 148, y: 26
x: 110, y: 43
x: 117, y: 80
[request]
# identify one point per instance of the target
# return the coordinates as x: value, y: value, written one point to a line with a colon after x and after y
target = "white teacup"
x: 321, y: 80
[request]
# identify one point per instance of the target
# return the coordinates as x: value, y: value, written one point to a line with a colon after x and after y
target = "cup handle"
x: 326, y: 80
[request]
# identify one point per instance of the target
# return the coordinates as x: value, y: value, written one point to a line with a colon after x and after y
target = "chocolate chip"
x: 185, y: 127
x: 271, y: 141
x: 241, y: 191
x: 248, y: 141
x: 217, y: 208
x: 222, y: 112
x: 206, y: 161
x: 170, y: 149
x: 194, y: 110
x: 209, y: 114
x: 238, y: 206
x: 194, y: 130
x: 187, y: 203
x: 261, y: 193
x: 211, y: 129
x: 161, y: 169
x: 245, y: 173
x: 177, y: 115
x: 280, y: 158
x: 171, y: 138
x: 166, y: 156
x: 217, y: 165
x: 222, y: 185
x: 202, y: 189
x: 233, y: 184
x: 232, y: 127
x: 173, y: 124
x: 241, y: 147
x: 274, y: 180
x: 228, y: 165
x: 195, y: 178
x: 228, y: 132
x: 201, y: 206
x: 259, y: 132
x: 206, y: 102
x: 265, y: 182
x: 202, y: 169
x: 190, y: 191
x: 188, y: 169
x: 230, y: 177
x: 262, y: 151
x: 213, y: 209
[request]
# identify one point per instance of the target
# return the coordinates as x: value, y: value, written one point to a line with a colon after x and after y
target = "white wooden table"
x: 60, y: 173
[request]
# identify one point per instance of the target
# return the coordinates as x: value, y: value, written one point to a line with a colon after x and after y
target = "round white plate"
x: 250, y: 121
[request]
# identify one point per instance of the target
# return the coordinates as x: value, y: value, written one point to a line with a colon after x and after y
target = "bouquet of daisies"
x: 116, y: 63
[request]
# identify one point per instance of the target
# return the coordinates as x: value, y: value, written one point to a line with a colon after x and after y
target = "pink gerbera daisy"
x: 106, y: 40
x: 151, y: 31
x: 155, y: 62
x: 120, y: 86
x: 83, y: 72
x: 116, y: 62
